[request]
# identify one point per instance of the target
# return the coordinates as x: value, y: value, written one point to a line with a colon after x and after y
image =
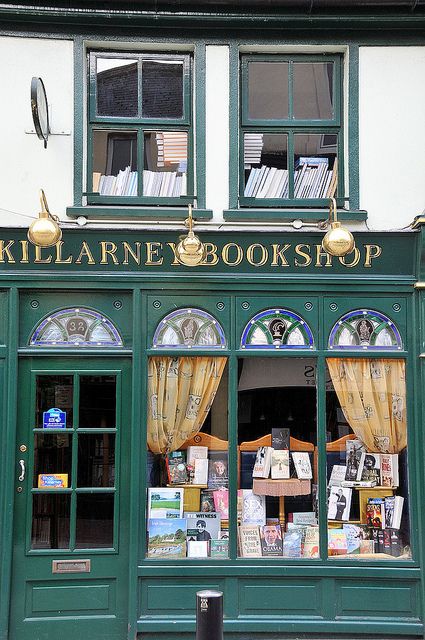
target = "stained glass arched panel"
x: 190, y: 328
x: 277, y: 329
x: 365, y: 329
x: 76, y: 327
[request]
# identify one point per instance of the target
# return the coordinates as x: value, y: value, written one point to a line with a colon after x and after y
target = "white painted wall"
x: 392, y: 134
x: 25, y: 166
x: 217, y: 129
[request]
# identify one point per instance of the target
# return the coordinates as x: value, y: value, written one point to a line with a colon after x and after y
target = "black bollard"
x: 209, y: 615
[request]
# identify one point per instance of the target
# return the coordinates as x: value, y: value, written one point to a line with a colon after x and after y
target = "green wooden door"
x: 70, y: 556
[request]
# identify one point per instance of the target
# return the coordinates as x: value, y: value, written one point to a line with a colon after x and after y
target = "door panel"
x: 70, y: 558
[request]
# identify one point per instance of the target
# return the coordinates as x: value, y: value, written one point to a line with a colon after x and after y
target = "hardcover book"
x: 217, y: 470
x: 337, y: 542
x: 249, y: 541
x: 393, y: 511
x: 207, y: 501
x: 302, y: 465
x: 338, y: 474
x: 353, y: 454
x: 311, y: 542
x: 197, y: 549
x: 263, y: 462
x: 280, y: 438
x: 253, y: 508
x: 369, y: 467
x: 280, y: 464
x: 355, y: 534
x: 176, y: 467
x: 271, y: 540
x: 191, y: 498
x: 389, y: 470
x: 165, y: 502
x: 292, y: 543
x: 166, y: 538
x: 300, y: 518
x: 339, y: 503
x: 194, y: 452
x: 221, y: 503
x: 202, y: 526
x: 200, y: 475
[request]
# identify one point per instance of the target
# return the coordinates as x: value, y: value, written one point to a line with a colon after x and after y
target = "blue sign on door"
x: 54, y: 419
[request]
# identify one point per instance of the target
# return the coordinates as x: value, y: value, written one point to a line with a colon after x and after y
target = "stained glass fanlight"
x: 189, y: 328
x: 76, y: 327
x: 365, y: 329
x: 277, y: 329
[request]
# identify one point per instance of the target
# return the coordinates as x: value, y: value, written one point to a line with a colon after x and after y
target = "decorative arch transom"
x: 277, y: 329
x: 365, y: 329
x: 189, y: 328
x: 76, y: 327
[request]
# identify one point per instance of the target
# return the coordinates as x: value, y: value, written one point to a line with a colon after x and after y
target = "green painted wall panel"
x: 376, y: 599
x: 286, y: 598
x: 173, y: 597
x: 64, y: 598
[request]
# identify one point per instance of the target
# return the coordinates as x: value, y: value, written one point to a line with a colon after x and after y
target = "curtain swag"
x: 181, y: 391
x: 372, y: 395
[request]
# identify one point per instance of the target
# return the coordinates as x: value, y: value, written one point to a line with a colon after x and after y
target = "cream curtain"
x: 372, y: 394
x: 181, y: 391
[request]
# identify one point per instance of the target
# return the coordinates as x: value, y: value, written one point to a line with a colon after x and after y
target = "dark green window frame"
x: 291, y: 126
x: 140, y: 125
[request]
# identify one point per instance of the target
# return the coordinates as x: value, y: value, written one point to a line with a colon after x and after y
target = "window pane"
x: 162, y: 89
x: 115, y: 163
x: 52, y: 459
x: 366, y: 455
x: 268, y: 90
x: 53, y: 392
x: 316, y: 165
x: 278, y: 507
x: 188, y: 496
x: 97, y: 402
x: 266, y: 165
x: 165, y: 164
x: 50, y: 521
x: 96, y: 460
x: 95, y: 521
x: 313, y: 90
x: 116, y: 87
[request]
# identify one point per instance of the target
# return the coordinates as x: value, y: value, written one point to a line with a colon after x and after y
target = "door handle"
x: 22, y: 476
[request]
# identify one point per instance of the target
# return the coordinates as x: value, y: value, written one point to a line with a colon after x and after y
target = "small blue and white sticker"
x: 54, y: 419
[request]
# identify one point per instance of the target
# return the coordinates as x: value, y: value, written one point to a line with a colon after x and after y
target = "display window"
x: 276, y: 451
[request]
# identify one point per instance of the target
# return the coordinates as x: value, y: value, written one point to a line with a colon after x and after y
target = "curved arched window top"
x: 76, y: 327
x: 190, y: 328
x: 277, y: 329
x: 365, y: 329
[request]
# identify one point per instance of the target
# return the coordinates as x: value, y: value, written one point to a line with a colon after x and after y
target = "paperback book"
x: 197, y: 548
x: 176, y: 467
x: 292, y: 543
x: 221, y: 503
x: 195, y: 452
x: 207, y: 500
x: 369, y: 467
x: 253, y: 508
x: 375, y: 513
x: 218, y: 470
x: 165, y: 502
x: 311, y: 542
x: 339, y: 504
x: 280, y: 464
x: 353, y: 454
x: 219, y: 548
x: 271, y: 540
x: 280, y: 438
x: 302, y: 465
x: 249, y: 541
x: 200, y: 474
x: 338, y: 475
x: 202, y: 526
x: 337, y: 542
x: 389, y: 470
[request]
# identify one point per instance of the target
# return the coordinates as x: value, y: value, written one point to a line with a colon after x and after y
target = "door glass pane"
x: 162, y: 88
x: 97, y: 402
x: 53, y: 392
x: 313, y: 90
x: 96, y: 460
x: 52, y: 459
x: 114, y: 162
x: 266, y: 165
x: 187, y: 511
x: 50, y: 521
x: 95, y: 520
x: 268, y: 90
x: 165, y: 164
x: 277, y: 489
x: 116, y: 87
x: 366, y: 455
x: 315, y: 165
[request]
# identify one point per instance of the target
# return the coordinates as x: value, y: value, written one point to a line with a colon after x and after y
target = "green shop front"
x: 137, y: 393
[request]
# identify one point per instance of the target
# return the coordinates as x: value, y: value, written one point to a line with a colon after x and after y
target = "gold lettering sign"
x: 138, y: 254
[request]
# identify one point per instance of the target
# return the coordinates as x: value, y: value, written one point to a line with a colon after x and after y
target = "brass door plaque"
x: 71, y: 566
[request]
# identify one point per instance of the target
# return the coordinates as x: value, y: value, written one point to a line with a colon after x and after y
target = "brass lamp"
x: 190, y: 250
x: 338, y: 241
x: 45, y: 231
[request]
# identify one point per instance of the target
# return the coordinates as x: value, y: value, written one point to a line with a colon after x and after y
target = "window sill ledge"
x: 277, y: 215
x: 139, y: 213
